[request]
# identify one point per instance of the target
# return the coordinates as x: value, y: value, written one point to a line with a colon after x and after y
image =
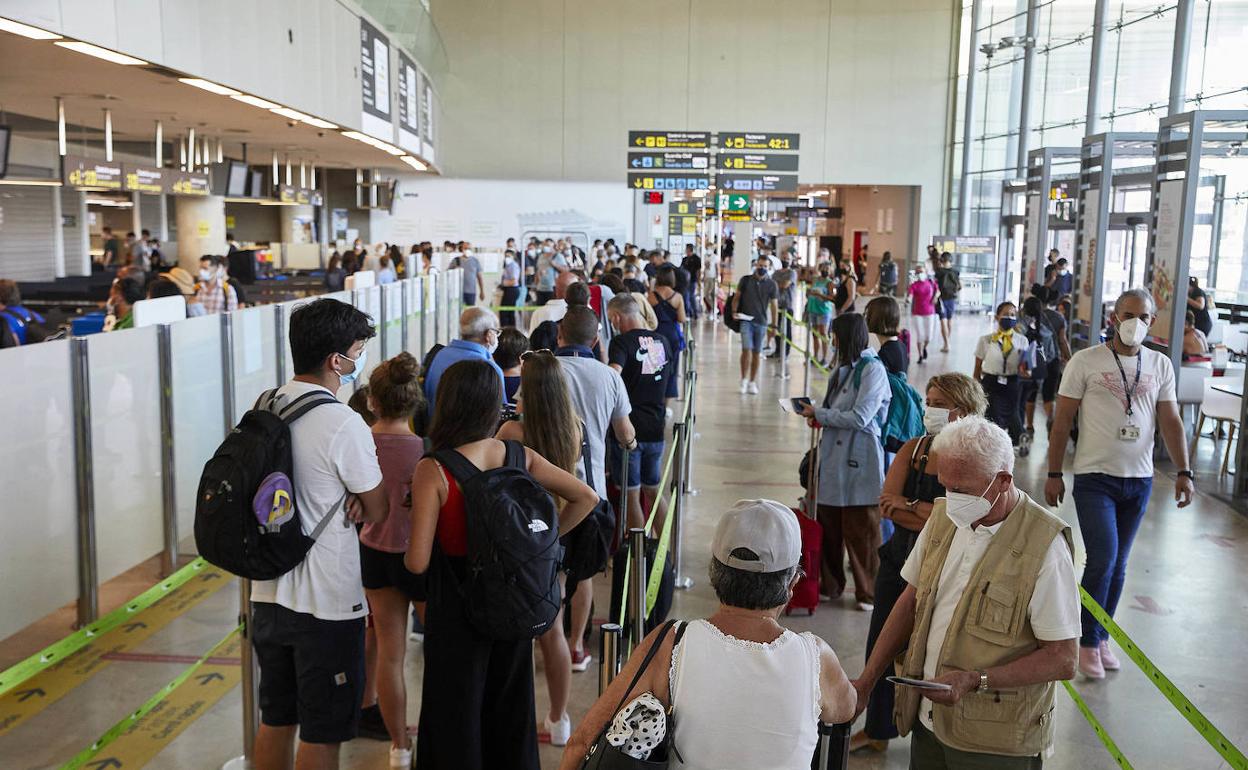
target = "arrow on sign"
x: 1149, y: 604
x: 135, y: 626
x: 209, y: 677
x: 25, y: 695
x: 637, y: 183
x: 740, y: 202
x: 104, y: 764
x: 635, y: 163
x: 639, y: 141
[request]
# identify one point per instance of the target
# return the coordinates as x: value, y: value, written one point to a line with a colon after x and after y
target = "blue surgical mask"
x: 354, y: 374
x: 1007, y: 322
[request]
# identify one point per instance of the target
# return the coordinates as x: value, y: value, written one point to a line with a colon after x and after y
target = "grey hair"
x: 750, y: 590
x: 975, y: 443
x: 1142, y: 294
x: 624, y: 304
x: 475, y: 322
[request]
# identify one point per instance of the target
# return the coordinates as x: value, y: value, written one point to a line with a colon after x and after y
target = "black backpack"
x: 246, y: 514
x: 511, y: 586
x: 588, y: 545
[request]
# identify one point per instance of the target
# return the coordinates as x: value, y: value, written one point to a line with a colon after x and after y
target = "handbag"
x: 603, y: 756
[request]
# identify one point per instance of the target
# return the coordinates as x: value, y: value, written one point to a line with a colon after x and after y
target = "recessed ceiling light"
x: 414, y: 163
x: 208, y: 85
x: 255, y: 101
x: 101, y: 53
x: 25, y: 30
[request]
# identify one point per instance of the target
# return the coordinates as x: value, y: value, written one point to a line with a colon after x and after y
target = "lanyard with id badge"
x: 1130, y: 431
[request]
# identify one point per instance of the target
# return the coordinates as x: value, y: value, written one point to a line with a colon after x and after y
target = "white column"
x: 58, y: 234
x: 201, y: 229
x: 84, y: 233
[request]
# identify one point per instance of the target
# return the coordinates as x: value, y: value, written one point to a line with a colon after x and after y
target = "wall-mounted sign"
x: 673, y: 140
x: 965, y: 244
x: 753, y: 161
x: 77, y: 171
x: 300, y: 196
x: 426, y: 115
x: 145, y: 179
x: 409, y: 104
x: 673, y: 182
x: 672, y: 161
x: 187, y: 183
x: 682, y: 224
x: 682, y: 207
x: 734, y: 140
x: 375, y: 82
x: 758, y: 182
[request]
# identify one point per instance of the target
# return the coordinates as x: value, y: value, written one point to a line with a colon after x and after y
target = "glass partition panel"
x: 415, y: 289
x: 198, y: 408
x: 393, y: 341
x: 39, y: 547
x: 125, y: 448
x: 255, y: 356
x: 287, y: 309
x: 431, y: 307
x: 369, y: 301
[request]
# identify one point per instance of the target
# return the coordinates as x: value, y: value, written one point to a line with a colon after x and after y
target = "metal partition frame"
x: 1011, y: 191
x: 1097, y: 175
x: 1037, y: 225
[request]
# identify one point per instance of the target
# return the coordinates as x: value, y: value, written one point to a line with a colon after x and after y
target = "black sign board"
x: 741, y: 140
x: 664, y: 181
x: 145, y: 179
x: 757, y: 182
x: 188, y: 183
x: 671, y: 161
x: 671, y: 140
x: 755, y: 161
x: 686, y: 207
x: 77, y: 171
x: 823, y: 212
x: 682, y: 224
x: 409, y: 96
x: 374, y: 71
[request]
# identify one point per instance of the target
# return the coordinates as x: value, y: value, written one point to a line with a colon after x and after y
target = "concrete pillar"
x: 58, y: 235
x: 84, y: 234
x: 201, y: 229
x: 291, y: 233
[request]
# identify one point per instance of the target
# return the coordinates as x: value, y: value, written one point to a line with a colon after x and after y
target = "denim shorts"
x: 643, y: 463
x: 753, y: 335
x: 819, y: 320
x: 948, y: 307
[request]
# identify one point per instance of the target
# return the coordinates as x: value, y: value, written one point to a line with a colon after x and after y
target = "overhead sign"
x: 188, y: 183
x: 298, y: 195
x: 145, y: 180
x: 375, y: 81
x: 675, y: 140
x: 728, y: 202
x: 759, y: 182
x: 793, y: 212
x: 682, y: 224
x: 77, y: 171
x: 757, y: 162
x: 641, y: 181
x: 965, y: 244
x: 409, y: 104
x: 682, y: 207
x: 672, y: 161
x: 733, y: 140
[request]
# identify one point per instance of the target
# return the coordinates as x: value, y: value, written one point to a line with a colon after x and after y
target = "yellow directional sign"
x: 738, y: 140
x: 672, y: 140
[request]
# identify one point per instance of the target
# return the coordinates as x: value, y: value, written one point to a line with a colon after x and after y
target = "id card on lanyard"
x: 1130, y: 431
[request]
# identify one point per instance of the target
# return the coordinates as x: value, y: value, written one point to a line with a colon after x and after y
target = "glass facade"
x: 1133, y: 96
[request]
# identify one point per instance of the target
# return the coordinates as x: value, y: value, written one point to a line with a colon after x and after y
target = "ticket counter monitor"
x: 1049, y: 220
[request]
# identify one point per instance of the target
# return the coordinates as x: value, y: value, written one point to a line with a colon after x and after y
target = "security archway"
x: 1052, y: 182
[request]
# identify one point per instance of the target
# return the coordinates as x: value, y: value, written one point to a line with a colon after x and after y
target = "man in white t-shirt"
x: 990, y: 610
x: 1124, y: 390
x: 308, y: 625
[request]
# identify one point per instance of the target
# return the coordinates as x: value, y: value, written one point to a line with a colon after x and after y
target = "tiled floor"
x: 1185, y: 604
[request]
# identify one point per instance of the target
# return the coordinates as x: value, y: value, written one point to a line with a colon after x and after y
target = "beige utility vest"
x: 989, y: 628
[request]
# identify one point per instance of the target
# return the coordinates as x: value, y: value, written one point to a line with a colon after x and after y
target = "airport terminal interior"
x: 881, y: 366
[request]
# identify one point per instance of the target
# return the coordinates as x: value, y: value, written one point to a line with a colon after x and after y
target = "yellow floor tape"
x: 189, y: 701
x: 53, y: 683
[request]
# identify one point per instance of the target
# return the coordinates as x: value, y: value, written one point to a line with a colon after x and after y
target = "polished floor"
x: 1185, y: 604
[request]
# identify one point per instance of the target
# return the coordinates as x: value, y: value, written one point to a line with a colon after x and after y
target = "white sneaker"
x: 560, y: 732
x: 753, y: 388
x: 745, y: 386
x: 401, y: 758
x: 416, y: 637
x: 784, y: 374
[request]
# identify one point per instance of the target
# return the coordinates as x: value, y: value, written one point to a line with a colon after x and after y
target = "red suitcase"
x: 806, y: 592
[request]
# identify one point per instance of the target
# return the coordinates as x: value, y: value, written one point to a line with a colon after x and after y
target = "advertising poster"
x: 1033, y: 245
x: 1089, y: 292
x: 375, y: 82
x: 1166, y: 256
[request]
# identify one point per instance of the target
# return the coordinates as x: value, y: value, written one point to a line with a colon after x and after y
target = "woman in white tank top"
x: 744, y: 691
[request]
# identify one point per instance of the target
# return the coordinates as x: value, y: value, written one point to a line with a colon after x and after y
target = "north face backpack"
x: 246, y: 514
x: 904, y: 419
x: 511, y: 587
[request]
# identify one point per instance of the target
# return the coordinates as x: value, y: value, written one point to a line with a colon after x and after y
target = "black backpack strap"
x: 266, y: 400
x: 586, y: 461
x: 304, y: 404
x: 515, y: 455
x: 457, y: 464
x: 645, y: 663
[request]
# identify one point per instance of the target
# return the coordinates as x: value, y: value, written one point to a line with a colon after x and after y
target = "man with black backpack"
x: 950, y: 283
x: 1046, y: 329
x: 308, y: 624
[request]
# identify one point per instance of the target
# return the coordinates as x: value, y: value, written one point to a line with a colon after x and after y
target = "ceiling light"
x: 31, y: 182
x: 374, y: 142
x: 287, y: 112
x: 102, y: 53
x: 416, y: 164
x: 255, y: 101
x: 208, y: 85
x: 34, y: 33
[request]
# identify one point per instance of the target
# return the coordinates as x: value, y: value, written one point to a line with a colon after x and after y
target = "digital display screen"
x: 654, y: 197
x: 236, y: 182
x: 4, y: 150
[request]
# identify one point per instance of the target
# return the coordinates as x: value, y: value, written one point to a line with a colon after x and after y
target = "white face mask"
x: 935, y: 419
x: 205, y: 274
x: 1132, y: 332
x: 354, y: 374
x: 965, y: 509
x: 491, y: 347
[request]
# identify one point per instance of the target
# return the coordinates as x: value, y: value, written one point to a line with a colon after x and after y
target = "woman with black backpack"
x: 546, y: 422
x: 477, y: 708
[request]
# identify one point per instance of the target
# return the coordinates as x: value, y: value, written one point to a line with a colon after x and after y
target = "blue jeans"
x: 1110, y: 510
x: 753, y: 335
x: 643, y: 463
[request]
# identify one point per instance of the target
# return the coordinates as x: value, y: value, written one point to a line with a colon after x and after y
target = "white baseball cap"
x: 765, y: 527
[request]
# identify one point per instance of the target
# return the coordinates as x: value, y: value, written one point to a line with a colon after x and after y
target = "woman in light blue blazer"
x: 851, y: 461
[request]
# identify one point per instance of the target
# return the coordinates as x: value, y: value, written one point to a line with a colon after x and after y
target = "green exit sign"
x: 734, y: 202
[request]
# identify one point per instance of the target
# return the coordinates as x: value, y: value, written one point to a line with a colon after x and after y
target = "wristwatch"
x: 1187, y: 472
x: 1055, y: 474
x: 983, y: 681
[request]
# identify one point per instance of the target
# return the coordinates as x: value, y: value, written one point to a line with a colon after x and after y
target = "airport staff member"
x: 990, y: 610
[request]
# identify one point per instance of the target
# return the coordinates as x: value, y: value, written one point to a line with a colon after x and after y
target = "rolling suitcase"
x: 806, y: 592
x: 832, y: 751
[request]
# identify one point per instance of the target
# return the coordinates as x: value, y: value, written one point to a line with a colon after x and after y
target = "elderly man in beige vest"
x: 990, y: 615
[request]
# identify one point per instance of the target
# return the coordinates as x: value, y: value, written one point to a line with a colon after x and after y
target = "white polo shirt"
x: 1054, y: 608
